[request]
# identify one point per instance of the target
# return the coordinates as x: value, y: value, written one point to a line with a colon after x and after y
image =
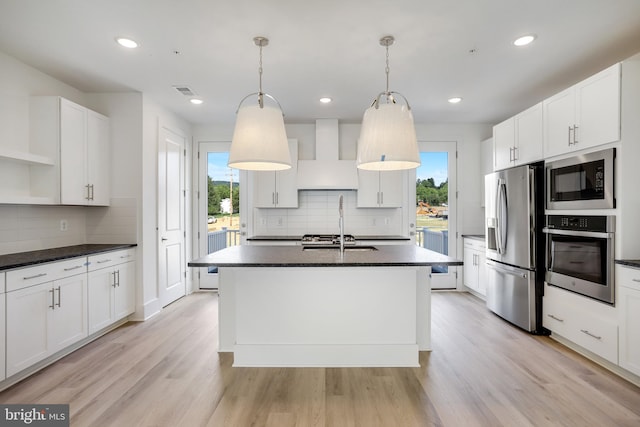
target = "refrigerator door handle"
x: 497, y: 267
x: 503, y: 220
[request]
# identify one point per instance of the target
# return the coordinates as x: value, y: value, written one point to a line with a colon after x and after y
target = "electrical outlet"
x: 280, y: 221
x: 387, y: 221
x: 64, y: 225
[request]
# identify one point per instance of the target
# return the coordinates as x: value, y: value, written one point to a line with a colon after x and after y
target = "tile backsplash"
x: 29, y: 228
x: 317, y: 213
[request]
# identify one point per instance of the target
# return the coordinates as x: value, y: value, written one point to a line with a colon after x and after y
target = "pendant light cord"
x: 386, y: 70
x: 260, y: 93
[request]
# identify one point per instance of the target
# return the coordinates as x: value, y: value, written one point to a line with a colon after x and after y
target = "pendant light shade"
x: 388, y: 135
x: 388, y: 139
x: 259, y: 139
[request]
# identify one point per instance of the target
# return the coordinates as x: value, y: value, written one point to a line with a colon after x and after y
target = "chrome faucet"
x: 341, y: 224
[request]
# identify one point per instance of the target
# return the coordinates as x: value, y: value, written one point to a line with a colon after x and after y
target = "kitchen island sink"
x: 289, y: 307
x: 337, y: 248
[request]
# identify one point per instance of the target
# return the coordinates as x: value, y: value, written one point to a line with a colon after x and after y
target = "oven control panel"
x: 598, y: 223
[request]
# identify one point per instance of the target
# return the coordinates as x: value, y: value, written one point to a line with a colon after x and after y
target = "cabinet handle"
x: 73, y: 268
x: 125, y: 256
x: 59, y: 296
x: 635, y: 280
x: 382, y: 198
x: 113, y: 284
x: 53, y: 301
x: 277, y: 198
x: 575, y: 138
x: 118, y: 273
x: 584, y: 331
x: 102, y: 261
x: 555, y: 318
x: 569, y: 136
x: 34, y: 277
x: 87, y: 187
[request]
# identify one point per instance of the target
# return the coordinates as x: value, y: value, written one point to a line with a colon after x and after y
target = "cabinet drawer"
x: 109, y: 259
x: 628, y: 277
x: 597, y: 335
x: 41, y: 273
x: 476, y: 244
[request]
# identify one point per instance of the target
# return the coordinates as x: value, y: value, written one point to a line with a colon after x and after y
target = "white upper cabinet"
x: 518, y: 140
x: 380, y: 189
x: 584, y: 115
x: 278, y: 189
x: 84, y: 156
x: 82, y: 138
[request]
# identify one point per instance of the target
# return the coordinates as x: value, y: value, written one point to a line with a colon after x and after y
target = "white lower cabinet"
x: 111, y: 288
x: 474, y: 274
x: 590, y: 324
x: 52, y: 306
x: 628, y: 301
x: 44, y: 319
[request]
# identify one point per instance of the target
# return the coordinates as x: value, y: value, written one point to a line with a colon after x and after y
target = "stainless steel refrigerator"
x: 514, y: 210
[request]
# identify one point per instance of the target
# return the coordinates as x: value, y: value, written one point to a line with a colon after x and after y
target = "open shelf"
x: 25, y: 158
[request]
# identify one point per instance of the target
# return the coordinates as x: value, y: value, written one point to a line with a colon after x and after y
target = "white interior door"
x: 171, y: 220
x: 436, y: 219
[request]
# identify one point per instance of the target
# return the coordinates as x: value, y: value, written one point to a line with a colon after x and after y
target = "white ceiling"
x: 443, y: 48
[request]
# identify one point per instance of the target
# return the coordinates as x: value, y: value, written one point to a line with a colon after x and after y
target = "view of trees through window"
x: 218, y: 191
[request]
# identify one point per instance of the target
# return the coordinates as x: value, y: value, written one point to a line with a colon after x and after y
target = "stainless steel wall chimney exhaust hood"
x: 327, y: 171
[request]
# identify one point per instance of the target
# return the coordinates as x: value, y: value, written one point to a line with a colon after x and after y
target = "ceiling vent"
x: 185, y: 90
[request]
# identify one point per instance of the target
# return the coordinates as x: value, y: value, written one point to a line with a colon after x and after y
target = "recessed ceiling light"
x: 128, y: 43
x: 524, y: 40
x: 455, y: 100
x: 196, y: 101
x: 325, y: 100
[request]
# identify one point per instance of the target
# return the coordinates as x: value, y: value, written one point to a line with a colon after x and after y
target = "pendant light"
x: 388, y: 136
x: 259, y: 139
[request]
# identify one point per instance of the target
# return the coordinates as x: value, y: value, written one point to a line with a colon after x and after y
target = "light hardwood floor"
x: 481, y: 372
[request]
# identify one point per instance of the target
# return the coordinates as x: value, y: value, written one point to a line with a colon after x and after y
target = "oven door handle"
x: 596, y: 234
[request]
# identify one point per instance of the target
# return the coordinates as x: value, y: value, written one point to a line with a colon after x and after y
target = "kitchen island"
x: 294, y: 306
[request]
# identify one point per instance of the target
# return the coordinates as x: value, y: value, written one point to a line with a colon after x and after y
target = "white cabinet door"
x: 628, y: 300
x: 598, y: 109
x: 380, y: 189
x: 68, y: 319
x: 503, y: 144
x: 124, y: 291
x: 558, y: 119
x: 368, y: 195
x: 518, y: 140
x: 73, y: 154
x: 391, y: 189
x: 27, y: 326
x: 470, y: 269
x: 98, y: 163
x: 101, y: 299
x: 278, y: 189
x: 528, y: 129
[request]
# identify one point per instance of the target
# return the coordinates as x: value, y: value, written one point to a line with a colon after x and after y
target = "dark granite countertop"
x: 474, y: 236
x: 25, y: 259
x: 295, y: 256
x: 629, y: 262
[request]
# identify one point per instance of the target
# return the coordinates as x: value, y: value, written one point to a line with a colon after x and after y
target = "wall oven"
x: 582, y: 182
x: 580, y: 254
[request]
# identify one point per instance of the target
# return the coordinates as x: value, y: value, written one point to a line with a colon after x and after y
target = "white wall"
x: 25, y: 228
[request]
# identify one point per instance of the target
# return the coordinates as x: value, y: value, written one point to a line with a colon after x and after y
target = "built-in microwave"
x: 582, y: 182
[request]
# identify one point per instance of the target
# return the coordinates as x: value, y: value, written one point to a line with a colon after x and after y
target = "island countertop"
x: 295, y: 256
